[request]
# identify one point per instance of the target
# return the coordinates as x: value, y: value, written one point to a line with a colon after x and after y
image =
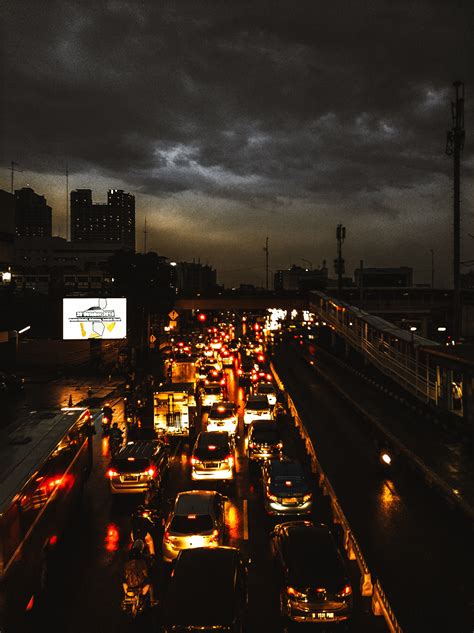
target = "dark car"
x: 215, y: 377
x: 207, y: 592
x: 11, y: 383
x: 264, y: 440
x: 285, y: 490
x: 213, y: 457
x: 314, y: 583
x: 137, y: 466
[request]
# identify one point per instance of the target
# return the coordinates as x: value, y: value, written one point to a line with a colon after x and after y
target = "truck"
x: 181, y: 370
x: 174, y: 408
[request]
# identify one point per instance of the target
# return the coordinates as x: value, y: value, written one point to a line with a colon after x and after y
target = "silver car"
x: 197, y: 520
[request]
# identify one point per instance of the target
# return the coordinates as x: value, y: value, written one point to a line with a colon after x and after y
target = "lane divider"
x: 379, y: 601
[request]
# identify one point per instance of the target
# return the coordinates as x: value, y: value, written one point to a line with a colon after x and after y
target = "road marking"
x: 246, y: 521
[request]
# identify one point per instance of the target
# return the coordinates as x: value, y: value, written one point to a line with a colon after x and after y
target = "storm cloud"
x: 235, y: 121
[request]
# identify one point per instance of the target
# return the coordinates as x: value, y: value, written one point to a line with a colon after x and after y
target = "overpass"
x: 423, y: 367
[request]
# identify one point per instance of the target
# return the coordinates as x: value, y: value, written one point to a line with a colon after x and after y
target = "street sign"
x: 173, y: 315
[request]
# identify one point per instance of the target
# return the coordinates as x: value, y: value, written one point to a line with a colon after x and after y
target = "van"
x: 137, y: 466
x: 207, y: 591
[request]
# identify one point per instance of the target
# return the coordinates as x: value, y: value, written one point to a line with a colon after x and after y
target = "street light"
x: 308, y: 262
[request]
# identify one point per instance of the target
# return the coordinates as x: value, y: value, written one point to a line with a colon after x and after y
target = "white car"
x: 223, y: 417
x: 210, y: 395
x: 266, y: 389
x: 256, y: 408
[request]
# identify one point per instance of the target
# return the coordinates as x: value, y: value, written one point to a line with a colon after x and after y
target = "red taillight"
x: 240, y: 372
x: 223, y: 381
x: 347, y: 591
x: 151, y: 472
x: 166, y: 536
x: 53, y: 539
x: 112, y: 473
x: 30, y: 604
x: 194, y: 461
x: 206, y: 381
x: 269, y: 376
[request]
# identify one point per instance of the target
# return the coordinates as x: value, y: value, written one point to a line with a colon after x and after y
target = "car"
x: 197, y: 520
x: 215, y: 377
x: 285, y: 489
x: 138, y: 465
x: 11, y: 383
x: 262, y: 374
x: 227, y: 357
x: 203, y: 370
x: 266, y: 389
x: 213, y: 457
x: 211, y: 394
x: 264, y: 441
x: 223, y: 417
x: 255, y: 408
x: 313, y: 578
x: 207, y: 591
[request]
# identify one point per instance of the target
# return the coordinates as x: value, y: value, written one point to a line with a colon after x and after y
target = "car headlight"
x: 294, y: 593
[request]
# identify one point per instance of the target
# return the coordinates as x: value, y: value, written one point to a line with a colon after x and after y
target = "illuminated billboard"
x: 85, y: 318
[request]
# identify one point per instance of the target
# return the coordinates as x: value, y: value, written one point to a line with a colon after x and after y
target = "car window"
x: 191, y: 524
x: 262, y: 436
x: 257, y: 406
x: 131, y: 466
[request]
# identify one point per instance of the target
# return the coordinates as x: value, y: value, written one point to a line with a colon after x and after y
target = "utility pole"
x: 339, y: 261
x: 432, y: 267
x: 266, y: 263
x: 454, y: 146
x: 144, y: 238
x: 13, y: 170
x: 67, y: 202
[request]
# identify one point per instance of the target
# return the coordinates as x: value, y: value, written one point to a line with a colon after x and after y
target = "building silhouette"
x: 111, y: 223
x: 33, y: 216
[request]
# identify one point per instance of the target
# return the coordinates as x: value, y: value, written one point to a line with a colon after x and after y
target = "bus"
x: 44, y: 464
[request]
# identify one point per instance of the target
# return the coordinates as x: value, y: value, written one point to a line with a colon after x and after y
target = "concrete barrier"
x: 380, y: 604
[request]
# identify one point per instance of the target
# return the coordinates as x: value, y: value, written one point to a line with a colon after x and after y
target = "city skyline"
x: 233, y: 125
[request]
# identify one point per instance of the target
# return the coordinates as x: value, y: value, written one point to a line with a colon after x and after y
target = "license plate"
x: 325, y: 615
x: 212, y: 465
x: 289, y: 500
x: 130, y: 478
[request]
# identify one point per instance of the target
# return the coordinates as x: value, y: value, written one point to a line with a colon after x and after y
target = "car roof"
x: 311, y: 556
x: 286, y: 467
x: 194, y: 502
x: 212, y: 437
x: 264, y: 425
x: 195, y: 571
x: 144, y: 449
x: 226, y: 405
x: 265, y: 386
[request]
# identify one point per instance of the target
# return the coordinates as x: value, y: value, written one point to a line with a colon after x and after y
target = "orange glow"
x: 112, y: 538
x: 105, y: 446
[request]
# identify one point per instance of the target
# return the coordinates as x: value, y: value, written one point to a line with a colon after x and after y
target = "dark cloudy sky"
x: 233, y: 121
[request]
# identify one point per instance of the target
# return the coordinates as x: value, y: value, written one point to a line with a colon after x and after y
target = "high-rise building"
x: 111, y: 223
x: 33, y: 217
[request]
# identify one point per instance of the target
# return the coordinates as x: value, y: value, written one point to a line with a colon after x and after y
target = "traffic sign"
x: 173, y: 315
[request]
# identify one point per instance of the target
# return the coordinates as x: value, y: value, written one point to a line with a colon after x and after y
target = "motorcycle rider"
x: 106, y: 417
x: 142, y: 524
x: 116, y: 438
x: 137, y: 573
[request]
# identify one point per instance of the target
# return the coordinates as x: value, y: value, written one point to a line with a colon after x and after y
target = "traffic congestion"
x: 219, y: 483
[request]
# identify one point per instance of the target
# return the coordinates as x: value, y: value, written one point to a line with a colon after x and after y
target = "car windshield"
x: 220, y: 413
x: 191, y: 524
x: 266, y: 389
x: 288, y: 483
x: 257, y: 406
x: 265, y: 437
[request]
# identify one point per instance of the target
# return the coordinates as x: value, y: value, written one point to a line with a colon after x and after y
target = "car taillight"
x: 294, y: 592
x: 230, y: 459
x: 252, y: 444
x: 223, y: 381
x: 151, y: 472
x: 269, y: 376
x: 206, y: 381
x: 273, y: 497
x: 112, y: 473
x: 240, y: 372
x: 280, y: 445
x: 307, y: 498
x: 215, y: 535
x: 347, y: 591
x: 194, y: 461
x: 166, y: 536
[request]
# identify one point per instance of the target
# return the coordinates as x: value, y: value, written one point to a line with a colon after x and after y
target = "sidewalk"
x: 441, y: 456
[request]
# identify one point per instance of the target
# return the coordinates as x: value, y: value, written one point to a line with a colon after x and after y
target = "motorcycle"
x: 106, y: 420
x: 134, y: 602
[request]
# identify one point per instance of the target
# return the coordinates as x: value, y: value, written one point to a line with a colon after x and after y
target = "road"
x: 420, y: 549
x: 86, y: 595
